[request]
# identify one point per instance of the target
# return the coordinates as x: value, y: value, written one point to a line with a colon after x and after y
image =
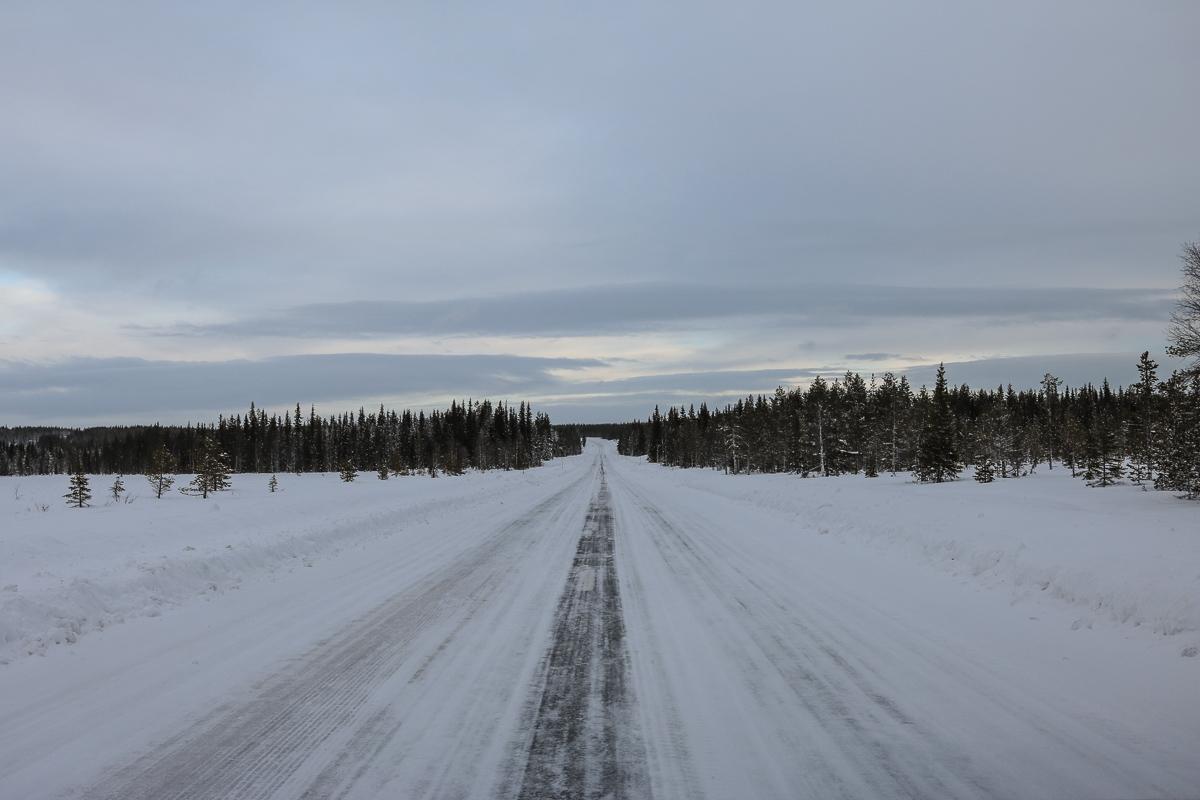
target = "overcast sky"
x: 204, y: 204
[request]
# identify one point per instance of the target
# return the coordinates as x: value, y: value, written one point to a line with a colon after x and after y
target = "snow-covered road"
x: 605, y: 631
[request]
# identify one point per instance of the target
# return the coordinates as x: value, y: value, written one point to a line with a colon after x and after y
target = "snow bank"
x: 1117, y: 554
x: 66, y: 571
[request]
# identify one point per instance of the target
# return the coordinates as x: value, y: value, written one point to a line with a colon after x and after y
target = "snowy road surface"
x: 605, y: 631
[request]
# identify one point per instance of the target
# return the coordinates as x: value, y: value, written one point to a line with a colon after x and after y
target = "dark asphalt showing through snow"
x: 584, y: 742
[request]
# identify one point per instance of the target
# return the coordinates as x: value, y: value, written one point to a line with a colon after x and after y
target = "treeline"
x: 1147, y: 434
x: 470, y: 435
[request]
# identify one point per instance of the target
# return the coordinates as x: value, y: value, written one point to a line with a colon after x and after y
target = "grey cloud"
x: 1025, y: 372
x: 635, y: 399
x: 358, y: 171
x: 89, y: 389
x: 603, y: 309
x: 139, y: 389
x: 415, y: 149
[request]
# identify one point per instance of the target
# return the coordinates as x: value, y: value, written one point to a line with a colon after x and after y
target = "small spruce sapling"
x: 161, y: 473
x: 79, y: 494
x: 985, y: 470
x: 348, y: 472
x: 117, y: 489
x: 273, y: 484
x: 212, y: 470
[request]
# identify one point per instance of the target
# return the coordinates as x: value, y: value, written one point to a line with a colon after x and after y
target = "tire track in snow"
x: 583, y: 741
x: 868, y: 746
x: 256, y: 749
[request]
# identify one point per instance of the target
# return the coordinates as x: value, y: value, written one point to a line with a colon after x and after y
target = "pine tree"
x: 212, y: 470
x: 348, y: 473
x: 79, y: 494
x: 938, y: 456
x: 117, y: 489
x: 161, y: 473
x: 273, y: 484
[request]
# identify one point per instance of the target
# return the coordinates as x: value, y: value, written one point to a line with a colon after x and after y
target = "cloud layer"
x: 635, y: 192
x: 171, y: 390
x: 123, y: 389
x: 605, y: 309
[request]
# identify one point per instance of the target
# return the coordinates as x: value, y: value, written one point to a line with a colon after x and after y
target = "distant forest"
x: 1147, y: 434
x: 471, y: 435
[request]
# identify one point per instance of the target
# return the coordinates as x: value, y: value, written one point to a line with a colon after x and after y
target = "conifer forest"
x: 472, y: 435
x: 1146, y: 434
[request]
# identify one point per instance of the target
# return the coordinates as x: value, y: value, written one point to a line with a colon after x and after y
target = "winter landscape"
x: 640, y: 402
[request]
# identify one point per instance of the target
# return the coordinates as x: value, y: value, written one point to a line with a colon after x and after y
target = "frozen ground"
x: 601, y: 627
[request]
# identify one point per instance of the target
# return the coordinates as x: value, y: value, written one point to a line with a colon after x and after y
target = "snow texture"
x: 601, y: 627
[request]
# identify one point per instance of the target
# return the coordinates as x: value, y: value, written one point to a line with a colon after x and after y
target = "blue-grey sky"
x: 595, y: 208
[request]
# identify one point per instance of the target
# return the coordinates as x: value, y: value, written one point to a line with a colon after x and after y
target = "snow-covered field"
x: 600, y: 626
x: 67, y: 571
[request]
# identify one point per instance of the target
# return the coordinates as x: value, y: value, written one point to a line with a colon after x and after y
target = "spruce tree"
x: 1180, y: 440
x: 987, y: 445
x: 938, y: 456
x: 1074, y: 445
x: 1014, y: 443
x: 273, y: 484
x: 79, y: 494
x: 1105, y: 453
x: 161, y: 473
x: 348, y: 473
x: 1142, y: 429
x: 212, y: 470
x: 1033, y: 439
x: 1050, y: 398
x: 1191, y: 439
x: 117, y: 489
x: 985, y: 468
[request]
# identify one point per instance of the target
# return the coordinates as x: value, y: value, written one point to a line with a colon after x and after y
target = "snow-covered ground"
x: 1117, y: 554
x: 66, y: 571
x: 711, y: 636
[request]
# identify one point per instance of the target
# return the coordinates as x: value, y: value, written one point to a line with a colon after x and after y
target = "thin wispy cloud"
x: 880, y: 357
